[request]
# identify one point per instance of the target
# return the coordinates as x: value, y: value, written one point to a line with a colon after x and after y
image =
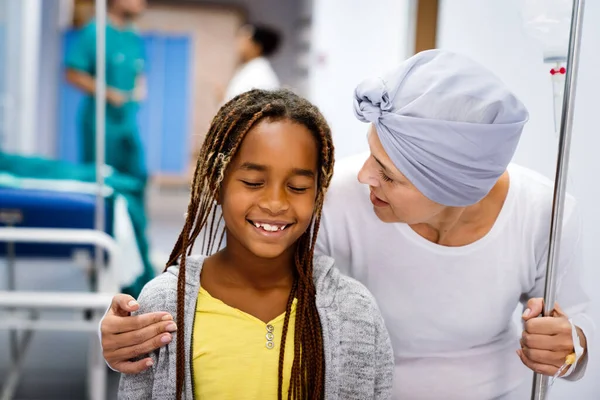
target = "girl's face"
x: 269, y: 190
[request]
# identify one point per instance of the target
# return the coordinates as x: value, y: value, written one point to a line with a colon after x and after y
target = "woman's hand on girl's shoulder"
x: 125, y: 337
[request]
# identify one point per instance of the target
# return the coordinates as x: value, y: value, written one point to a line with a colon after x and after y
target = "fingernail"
x: 171, y: 328
x: 132, y: 303
x: 149, y: 363
x: 166, y: 339
x: 167, y: 317
x: 527, y: 312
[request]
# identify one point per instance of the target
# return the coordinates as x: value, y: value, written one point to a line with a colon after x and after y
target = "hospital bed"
x: 56, y: 224
x: 41, y: 218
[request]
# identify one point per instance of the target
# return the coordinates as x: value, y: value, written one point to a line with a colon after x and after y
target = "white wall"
x: 352, y: 40
x: 50, y: 63
x: 4, y: 11
x: 18, y: 98
x: 491, y: 32
x: 10, y: 94
x: 30, y: 23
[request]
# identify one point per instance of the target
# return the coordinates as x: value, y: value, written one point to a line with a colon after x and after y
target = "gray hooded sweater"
x: 359, y: 361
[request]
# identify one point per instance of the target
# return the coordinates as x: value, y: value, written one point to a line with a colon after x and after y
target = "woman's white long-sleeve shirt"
x: 449, y: 310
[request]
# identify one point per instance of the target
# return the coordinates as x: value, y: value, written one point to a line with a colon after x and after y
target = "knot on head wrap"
x: 448, y: 124
x: 376, y: 99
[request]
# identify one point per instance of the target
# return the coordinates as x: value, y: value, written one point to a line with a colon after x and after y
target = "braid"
x: 308, y: 368
x: 286, y: 322
x: 227, y: 131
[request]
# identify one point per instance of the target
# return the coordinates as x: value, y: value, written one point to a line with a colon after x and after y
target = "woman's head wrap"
x: 447, y: 123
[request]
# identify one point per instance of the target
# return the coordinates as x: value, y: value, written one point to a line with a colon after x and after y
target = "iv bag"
x: 549, y: 22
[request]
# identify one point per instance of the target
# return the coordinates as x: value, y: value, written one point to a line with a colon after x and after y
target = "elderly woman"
x: 446, y: 233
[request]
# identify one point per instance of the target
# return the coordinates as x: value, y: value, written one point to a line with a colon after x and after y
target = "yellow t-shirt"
x: 236, y: 355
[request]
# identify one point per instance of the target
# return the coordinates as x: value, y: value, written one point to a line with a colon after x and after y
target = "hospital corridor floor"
x: 55, y: 366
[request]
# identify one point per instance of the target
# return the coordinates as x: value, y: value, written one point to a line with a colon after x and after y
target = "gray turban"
x: 448, y: 124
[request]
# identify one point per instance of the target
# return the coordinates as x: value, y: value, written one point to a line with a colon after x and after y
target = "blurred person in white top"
x: 255, y: 43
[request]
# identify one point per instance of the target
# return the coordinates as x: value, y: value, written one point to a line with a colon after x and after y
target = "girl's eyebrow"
x: 248, y: 166
x: 304, y: 172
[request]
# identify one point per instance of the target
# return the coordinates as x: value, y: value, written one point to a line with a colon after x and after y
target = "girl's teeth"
x: 270, y: 228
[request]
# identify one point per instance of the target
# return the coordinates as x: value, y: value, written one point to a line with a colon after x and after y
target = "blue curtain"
x: 164, y: 118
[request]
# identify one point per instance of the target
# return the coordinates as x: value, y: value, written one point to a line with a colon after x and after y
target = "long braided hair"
x: 227, y: 131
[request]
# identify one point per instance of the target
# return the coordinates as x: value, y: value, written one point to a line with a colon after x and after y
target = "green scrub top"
x: 124, y: 64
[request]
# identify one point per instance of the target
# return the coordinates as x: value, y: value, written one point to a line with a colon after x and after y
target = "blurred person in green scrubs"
x: 125, y: 88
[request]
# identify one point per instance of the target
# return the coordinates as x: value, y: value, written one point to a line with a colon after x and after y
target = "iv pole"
x: 100, y: 121
x: 97, y: 374
x: 540, y: 382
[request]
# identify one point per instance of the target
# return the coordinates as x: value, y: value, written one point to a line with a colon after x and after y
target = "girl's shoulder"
x: 335, y: 288
x: 160, y: 294
x: 352, y: 323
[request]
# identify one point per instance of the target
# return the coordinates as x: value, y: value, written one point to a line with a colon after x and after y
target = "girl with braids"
x: 262, y: 318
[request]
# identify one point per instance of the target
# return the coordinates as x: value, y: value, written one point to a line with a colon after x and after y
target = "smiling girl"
x: 263, y: 317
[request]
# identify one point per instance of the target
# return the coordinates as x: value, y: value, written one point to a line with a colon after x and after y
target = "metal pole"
x: 11, y: 255
x: 540, y: 382
x: 100, y: 125
x: 99, y: 223
x: 12, y: 218
x: 12, y: 379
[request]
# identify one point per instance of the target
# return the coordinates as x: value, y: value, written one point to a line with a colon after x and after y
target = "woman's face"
x: 394, y: 197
